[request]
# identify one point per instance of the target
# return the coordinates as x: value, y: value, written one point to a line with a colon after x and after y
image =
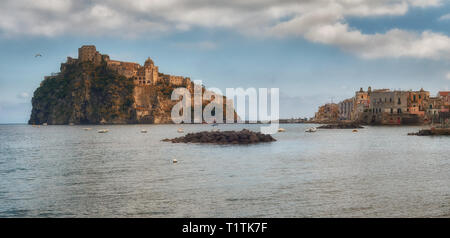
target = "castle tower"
x: 86, y: 53
x: 89, y: 53
x: 150, y: 71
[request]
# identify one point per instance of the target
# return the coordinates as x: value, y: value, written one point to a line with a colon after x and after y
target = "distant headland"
x: 94, y: 89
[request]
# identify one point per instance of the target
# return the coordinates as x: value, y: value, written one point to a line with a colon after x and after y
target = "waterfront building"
x: 361, y: 103
x: 327, y: 113
x: 387, y: 107
x: 417, y: 101
x: 445, y: 96
x: 346, y: 109
x: 433, y: 108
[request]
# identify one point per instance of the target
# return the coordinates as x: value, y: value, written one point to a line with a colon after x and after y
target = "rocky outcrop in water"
x: 84, y: 94
x: 223, y: 137
x: 432, y: 132
x: 91, y: 92
x: 341, y: 126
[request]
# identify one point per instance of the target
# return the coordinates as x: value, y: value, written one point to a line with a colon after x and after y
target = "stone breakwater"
x: 341, y: 126
x: 432, y: 132
x: 223, y: 137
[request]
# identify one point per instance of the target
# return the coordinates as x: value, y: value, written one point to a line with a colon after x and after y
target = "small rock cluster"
x: 223, y: 137
x: 435, y: 132
x: 341, y: 126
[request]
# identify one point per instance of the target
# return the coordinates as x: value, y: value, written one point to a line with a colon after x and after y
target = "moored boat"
x: 311, y: 129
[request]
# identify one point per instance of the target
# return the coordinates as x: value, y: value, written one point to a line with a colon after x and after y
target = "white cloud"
x: 425, y: 3
x: 321, y: 21
x: 445, y: 17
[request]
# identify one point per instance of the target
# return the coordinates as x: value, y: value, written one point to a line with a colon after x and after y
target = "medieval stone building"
x: 145, y: 75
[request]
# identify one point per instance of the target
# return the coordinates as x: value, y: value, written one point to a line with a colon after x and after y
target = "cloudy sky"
x: 315, y: 51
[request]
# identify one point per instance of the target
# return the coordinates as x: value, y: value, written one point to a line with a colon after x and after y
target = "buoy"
x: 281, y: 130
x: 180, y: 130
x: 143, y: 131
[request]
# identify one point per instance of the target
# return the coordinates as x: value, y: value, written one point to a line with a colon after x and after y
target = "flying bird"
x: 37, y: 55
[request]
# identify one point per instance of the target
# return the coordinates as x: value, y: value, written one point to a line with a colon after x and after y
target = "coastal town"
x: 388, y: 107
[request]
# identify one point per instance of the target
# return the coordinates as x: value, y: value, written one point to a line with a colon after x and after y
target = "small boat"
x: 71, y: 124
x: 103, y: 131
x: 87, y: 129
x: 311, y: 129
x: 143, y: 131
x: 174, y: 161
x: 355, y: 130
x: 45, y: 124
x: 281, y: 130
x: 180, y: 130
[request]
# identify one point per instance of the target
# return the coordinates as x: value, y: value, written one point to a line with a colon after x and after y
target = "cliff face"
x: 84, y: 94
x: 87, y: 93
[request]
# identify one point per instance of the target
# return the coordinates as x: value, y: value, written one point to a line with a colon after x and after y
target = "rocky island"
x: 94, y: 89
x: 341, y: 126
x: 432, y: 132
x: 223, y: 137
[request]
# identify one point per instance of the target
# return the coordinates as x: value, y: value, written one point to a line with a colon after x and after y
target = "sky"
x: 314, y: 51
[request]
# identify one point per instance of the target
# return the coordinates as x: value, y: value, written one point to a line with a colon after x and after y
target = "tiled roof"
x: 444, y: 93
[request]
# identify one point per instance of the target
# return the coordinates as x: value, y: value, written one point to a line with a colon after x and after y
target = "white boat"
x: 180, y: 130
x: 143, y: 131
x: 103, y: 131
x: 311, y: 129
x: 174, y: 161
x: 45, y: 124
x: 87, y: 129
x: 281, y: 130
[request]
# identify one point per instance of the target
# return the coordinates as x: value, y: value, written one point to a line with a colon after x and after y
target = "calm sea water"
x: 64, y: 171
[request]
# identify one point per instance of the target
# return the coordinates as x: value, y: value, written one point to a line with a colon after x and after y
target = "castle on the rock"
x: 141, y: 75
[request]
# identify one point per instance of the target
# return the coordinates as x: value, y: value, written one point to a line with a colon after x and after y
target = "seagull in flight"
x: 37, y: 55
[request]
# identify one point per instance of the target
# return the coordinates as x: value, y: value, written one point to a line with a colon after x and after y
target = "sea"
x: 67, y: 171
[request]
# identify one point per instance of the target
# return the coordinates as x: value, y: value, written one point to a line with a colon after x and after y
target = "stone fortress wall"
x: 145, y: 75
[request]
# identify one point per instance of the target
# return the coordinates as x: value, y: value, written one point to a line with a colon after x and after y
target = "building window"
x: 392, y: 110
x: 399, y: 101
